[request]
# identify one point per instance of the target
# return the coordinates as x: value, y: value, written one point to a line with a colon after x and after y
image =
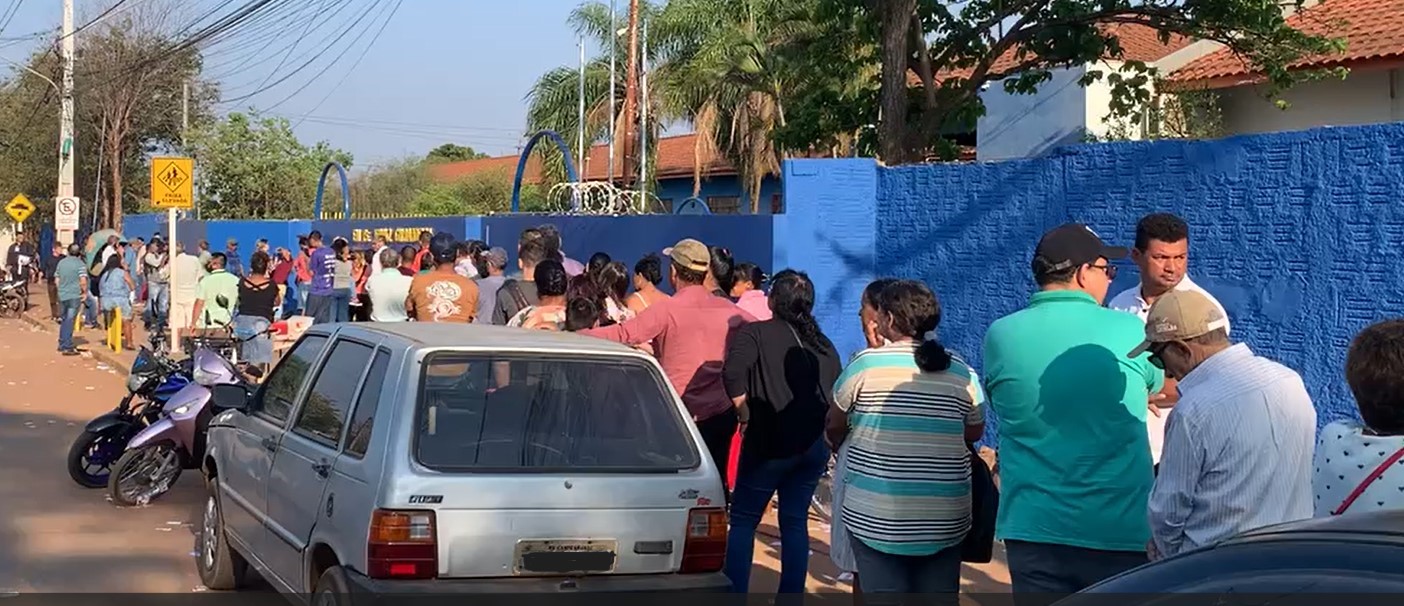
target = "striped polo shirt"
x: 907, y: 490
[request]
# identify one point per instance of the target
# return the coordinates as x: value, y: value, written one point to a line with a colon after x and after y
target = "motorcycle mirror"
x: 254, y: 371
x: 229, y: 397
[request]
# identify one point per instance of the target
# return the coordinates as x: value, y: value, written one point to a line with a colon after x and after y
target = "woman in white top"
x: 1360, y: 466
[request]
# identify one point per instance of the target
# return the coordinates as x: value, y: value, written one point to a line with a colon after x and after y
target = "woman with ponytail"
x: 906, y: 399
x: 780, y: 374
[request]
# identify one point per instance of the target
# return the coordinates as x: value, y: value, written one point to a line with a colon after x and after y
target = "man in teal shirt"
x: 71, y: 281
x: 1075, y: 466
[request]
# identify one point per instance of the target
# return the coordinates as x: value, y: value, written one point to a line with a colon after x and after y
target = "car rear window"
x: 538, y: 413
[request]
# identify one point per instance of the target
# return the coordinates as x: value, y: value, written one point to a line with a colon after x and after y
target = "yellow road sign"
x: 19, y: 208
x: 172, y: 182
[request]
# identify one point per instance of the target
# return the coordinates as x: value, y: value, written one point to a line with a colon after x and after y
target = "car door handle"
x: 323, y: 468
x: 270, y: 444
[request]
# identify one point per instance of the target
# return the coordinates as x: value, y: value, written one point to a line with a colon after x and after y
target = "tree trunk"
x: 631, y: 97
x: 896, y: 18
x: 114, y: 164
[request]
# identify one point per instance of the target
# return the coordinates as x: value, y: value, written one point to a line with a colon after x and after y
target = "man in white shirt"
x: 1162, y: 256
x: 185, y: 287
x: 388, y: 289
x: 1239, y: 445
x: 380, y: 247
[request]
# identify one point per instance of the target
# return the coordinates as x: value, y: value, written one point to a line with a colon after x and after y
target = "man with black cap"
x: 442, y: 295
x: 1074, y: 457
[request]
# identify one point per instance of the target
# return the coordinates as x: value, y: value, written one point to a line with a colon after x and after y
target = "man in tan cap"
x: 1238, y: 446
x: 689, y: 333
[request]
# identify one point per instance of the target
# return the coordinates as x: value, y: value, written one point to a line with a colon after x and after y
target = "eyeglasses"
x: 1110, y: 270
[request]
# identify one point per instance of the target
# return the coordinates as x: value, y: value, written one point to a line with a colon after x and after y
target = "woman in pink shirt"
x: 746, y: 290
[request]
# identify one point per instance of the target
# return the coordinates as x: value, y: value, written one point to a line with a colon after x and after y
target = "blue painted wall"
x: 1296, y: 233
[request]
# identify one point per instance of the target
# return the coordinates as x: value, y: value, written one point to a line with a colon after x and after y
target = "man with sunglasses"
x: 1075, y: 468
x: 1238, y: 448
x: 1162, y: 256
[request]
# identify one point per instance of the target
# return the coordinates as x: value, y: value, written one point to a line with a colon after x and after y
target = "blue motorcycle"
x: 154, y: 378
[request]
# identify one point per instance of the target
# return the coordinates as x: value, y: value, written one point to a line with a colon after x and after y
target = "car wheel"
x: 220, y: 566
x: 332, y: 588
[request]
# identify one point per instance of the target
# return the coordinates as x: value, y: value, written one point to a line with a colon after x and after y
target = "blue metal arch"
x: 571, y: 175
x: 692, y: 206
x: 322, y: 187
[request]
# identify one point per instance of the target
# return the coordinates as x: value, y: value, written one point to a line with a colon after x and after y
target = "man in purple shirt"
x: 551, y: 237
x: 689, y: 333
x: 322, y: 265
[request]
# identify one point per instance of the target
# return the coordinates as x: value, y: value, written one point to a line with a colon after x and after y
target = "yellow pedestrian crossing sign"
x: 172, y: 182
x: 19, y: 208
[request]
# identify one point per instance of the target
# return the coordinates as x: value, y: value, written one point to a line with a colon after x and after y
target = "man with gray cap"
x: 495, y: 260
x: 1238, y: 445
x: 1075, y: 465
x: 689, y: 333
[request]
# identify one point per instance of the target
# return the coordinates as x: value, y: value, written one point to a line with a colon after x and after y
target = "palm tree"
x: 553, y: 100
x: 731, y: 78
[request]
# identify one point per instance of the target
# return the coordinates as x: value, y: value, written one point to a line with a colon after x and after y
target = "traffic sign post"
x: 66, y: 211
x: 172, y: 187
x: 19, y: 208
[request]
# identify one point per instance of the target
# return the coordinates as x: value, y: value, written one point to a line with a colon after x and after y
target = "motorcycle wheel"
x: 142, y: 475
x: 92, y: 456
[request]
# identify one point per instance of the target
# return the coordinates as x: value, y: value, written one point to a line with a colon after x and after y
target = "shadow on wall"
x: 1296, y: 233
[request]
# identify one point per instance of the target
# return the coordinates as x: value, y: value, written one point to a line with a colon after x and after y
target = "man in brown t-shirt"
x: 442, y: 295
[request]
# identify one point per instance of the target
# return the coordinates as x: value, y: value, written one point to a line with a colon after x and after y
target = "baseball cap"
x: 444, y: 247
x: 496, y: 257
x: 1074, y: 244
x: 690, y: 254
x: 1180, y: 315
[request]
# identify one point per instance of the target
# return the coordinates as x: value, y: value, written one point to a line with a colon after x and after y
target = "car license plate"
x: 566, y: 556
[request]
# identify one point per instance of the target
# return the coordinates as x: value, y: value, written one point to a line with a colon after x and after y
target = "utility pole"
x: 643, y: 117
x: 631, y: 94
x: 66, y: 146
x: 613, y: 36
x: 174, y: 339
x: 580, y: 166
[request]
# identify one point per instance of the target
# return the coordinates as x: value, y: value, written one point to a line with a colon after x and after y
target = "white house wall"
x: 1364, y: 97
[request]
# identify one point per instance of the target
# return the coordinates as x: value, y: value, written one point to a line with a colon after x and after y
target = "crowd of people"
x: 1132, y: 428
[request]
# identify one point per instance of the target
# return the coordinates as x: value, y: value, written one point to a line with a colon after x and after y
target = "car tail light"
x: 704, y: 549
x: 403, y: 544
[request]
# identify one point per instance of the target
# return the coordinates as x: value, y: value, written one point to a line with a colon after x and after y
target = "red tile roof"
x: 674, y: 157
x: 1372, y: 29
x: 1138, y: 43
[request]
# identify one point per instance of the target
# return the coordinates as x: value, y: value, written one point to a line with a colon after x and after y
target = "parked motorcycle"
x: 12, y: 297
x: 153, y: 379
x: 174, y: 442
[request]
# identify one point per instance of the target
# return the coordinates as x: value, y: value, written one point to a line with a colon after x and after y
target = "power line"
x: 10, y: 16
x: 394, y: 9
x: 515, y: 132
x: 309, y: 62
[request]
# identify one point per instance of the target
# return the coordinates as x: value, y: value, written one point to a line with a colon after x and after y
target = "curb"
x: 101, y: 354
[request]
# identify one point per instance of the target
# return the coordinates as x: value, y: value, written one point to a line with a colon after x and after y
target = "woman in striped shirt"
x: 907, y: 409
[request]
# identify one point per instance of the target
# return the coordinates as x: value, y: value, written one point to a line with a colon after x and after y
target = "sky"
x: 441, y: 71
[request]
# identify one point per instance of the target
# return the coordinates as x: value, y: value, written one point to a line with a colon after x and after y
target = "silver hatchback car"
x: 419, y: 457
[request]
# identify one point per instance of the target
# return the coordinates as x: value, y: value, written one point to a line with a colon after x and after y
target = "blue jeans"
x: 795, y: 478
x: 158, y: 303
x: 341, y: 305
x: 68, y: 312
x: 90, y: 311
x: 892, y: 579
